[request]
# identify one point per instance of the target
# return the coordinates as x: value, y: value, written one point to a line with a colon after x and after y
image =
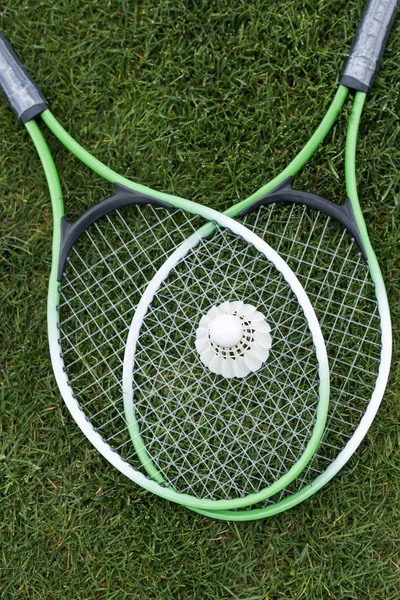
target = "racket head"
x: 88, y: 325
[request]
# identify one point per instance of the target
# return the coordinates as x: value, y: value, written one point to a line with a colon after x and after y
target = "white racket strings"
x: 206, y: 434
x: 335, y: 276
x: 104, y: 277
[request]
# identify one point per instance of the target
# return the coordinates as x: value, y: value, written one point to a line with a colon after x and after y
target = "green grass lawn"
x: 206, y: 100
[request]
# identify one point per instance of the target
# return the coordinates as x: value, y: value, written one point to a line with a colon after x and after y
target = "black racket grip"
x: 369, y: 44
x: 17, y: 86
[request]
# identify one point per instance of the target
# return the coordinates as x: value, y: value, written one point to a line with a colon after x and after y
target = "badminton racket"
x: 327, y: 246
x: 234, y: 407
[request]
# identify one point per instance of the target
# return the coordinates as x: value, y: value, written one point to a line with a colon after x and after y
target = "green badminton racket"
x: 327, y: 246
x: 269, y: 405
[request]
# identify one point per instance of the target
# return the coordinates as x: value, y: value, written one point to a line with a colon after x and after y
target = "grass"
x: 207, y: 100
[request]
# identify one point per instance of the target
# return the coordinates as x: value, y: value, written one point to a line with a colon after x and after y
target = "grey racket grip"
x: 17, y: 86
x: 369, y: 44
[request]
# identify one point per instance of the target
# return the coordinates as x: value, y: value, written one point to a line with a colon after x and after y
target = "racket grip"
x: 17, y: 86
x: 369, y: 44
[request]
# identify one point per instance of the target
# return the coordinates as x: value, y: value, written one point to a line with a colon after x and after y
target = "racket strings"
x: 208, y: 435
x: 336, y: 278
x: 228, y: 440
x: 105, y: 275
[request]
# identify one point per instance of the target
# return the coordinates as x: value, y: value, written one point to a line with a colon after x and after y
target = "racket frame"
x: 214, y: 219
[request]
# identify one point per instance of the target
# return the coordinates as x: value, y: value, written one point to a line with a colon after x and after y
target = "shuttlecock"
x: 233, y: 339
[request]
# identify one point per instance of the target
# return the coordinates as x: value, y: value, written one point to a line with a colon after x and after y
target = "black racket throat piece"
x: 282, y: 194
x: 286, y: 194
x: 72, y: 230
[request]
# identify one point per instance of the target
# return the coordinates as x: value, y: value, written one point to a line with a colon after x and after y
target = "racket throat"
x: 285, y: 193
x: 72, y: 230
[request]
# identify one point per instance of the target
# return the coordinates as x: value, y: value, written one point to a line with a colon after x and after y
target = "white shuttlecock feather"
x: 233, y: 339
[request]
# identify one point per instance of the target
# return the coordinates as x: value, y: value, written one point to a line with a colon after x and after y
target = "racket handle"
x: 369, y: 44
x: 17, y: 86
